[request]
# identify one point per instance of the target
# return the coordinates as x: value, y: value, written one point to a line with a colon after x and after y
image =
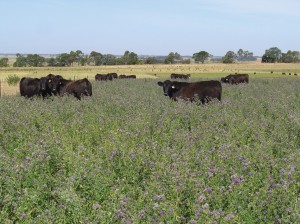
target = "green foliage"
x: 201, y: 56
x: 245, y: 55
x: 130, y: 58
x: 21, y: 61
x: 172, y: 58
x: 272, y: 55
x: 291, y: 57
x: 229, y: 58
x: 4, y: 62
x: 34, y: 60
x: 122, y: 156
x: 12, y: 80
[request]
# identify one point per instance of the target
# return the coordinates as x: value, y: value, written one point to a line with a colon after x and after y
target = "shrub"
x: 13, y: 80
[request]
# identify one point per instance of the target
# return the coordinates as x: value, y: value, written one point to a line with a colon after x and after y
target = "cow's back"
x: 202, y: 91
x: 29, y: 87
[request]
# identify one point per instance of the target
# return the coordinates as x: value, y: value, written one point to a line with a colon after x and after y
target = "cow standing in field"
x: 76, y: 88
x: 53, y: 83
x: 30, y: 87
x: 236, y: 78
x: 202, y: 91
x: 103, y: 77
x: 180, y: 76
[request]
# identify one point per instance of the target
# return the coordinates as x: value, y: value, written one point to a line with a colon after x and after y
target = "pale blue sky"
x: 152, y: 27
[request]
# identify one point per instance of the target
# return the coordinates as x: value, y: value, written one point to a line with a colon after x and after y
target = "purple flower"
x: 96, y: 206
x: 208, y: 190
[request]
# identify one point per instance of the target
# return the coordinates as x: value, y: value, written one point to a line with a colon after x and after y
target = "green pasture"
x: 129, y: 154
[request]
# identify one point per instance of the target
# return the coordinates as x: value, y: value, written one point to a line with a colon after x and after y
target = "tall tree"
x: 229, y: 58
x: 4, y: 62
x: 272, y: 55
x: 95, y: 58
x: 35, y: 60
x: 21, y: 61
x: 291, y: 57
x: 201, y: 56
x: 130, y: 58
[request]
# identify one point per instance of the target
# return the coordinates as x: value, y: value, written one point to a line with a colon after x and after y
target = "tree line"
x: 78, y: 58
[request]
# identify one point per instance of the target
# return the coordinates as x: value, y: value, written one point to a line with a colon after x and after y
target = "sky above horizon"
x: 148, y: 27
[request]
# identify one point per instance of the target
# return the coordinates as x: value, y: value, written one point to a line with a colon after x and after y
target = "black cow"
x: 76, y: 88
x: 103, y: 77
x: 236, y: 78
x: 202, y: 91
x: 180, y: 76
x: 54, y: 83
x: 30, y: 87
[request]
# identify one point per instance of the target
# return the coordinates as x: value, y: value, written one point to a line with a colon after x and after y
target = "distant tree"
x: 4, y: 62
x: 290, y: 57
x: 201, y: 56
x: 35, y: 60
x: 108, y: 59
x: 240, y: 53
x: 95, y: 58
x: 151, y: 60
x: 21, y: 61
x: 130, y: 58
x: 51, y: 62
x: 272, y: 55
x: 229, y: 58
x: 172, y: 58
x: 84, y: 60
x: 245, y: 55
x: 65, y: 59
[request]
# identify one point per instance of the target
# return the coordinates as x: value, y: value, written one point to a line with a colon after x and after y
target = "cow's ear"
x: 160, y: 84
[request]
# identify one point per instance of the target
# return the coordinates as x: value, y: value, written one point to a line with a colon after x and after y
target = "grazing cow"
x: 202, y: 91
x: 236, y: 78
x: 30, y: 87
x: 113, y: 75
x: 131, y: 76
x: 76, y: 88
x: 180, y: 76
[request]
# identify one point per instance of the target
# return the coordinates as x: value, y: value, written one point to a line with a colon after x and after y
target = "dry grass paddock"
x: 209, y: 70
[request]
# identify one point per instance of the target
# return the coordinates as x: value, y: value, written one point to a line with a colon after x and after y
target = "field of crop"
x: 129, y: 154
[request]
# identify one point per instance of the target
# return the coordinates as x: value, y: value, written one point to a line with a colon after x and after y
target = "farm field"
x: 129, y: 154
x: 212, y: 70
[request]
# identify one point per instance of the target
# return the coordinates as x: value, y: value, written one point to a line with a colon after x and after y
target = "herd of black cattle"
x: 201, y: 91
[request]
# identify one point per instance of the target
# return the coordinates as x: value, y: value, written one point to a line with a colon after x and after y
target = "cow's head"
x: 168, y: 87
x: 53, y: 83
x: 44, y: 83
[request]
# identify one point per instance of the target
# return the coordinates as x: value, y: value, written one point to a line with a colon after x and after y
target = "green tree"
x: 35, y: 60
x: 130, y: 58
x: 201, y: 56
x: 21, y: 61
x: 151, y: 60
x: 51, y: 62
x: 229, y: 58
x: 290, y: 57
x: 108, y: 59
x: 4, y: 62
x: 170, y: 59
x: 95, y: 58
x: 65, y: 59
x: 272, y: 55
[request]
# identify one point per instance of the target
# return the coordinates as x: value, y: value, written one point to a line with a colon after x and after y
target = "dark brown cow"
x: 103, y: 77
x: 236, y: 78
x: 127, y: 76
x: 53, y: 83
x: 180, y: 76
x: 202, y: 91
x: 76, y: 88
x: 30, y: 87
